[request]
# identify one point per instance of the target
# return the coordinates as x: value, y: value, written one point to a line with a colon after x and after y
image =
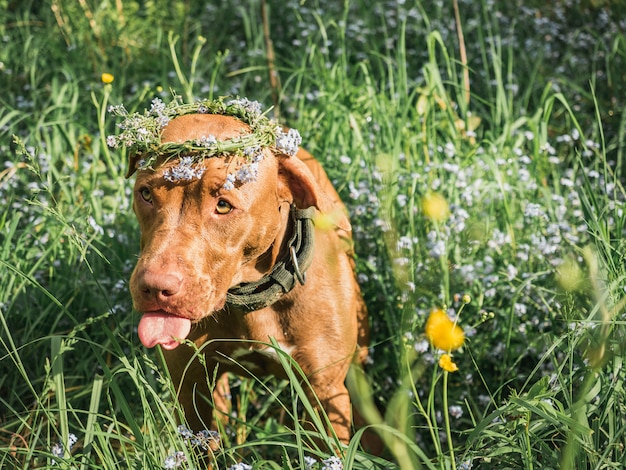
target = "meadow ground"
x: 479, y: 147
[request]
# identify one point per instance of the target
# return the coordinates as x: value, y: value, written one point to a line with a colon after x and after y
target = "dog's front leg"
x: 191, y: 381
x: 335, y: 400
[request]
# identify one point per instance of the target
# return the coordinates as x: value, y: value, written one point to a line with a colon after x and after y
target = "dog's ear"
x: 298, y: 185
x: 132, y: 164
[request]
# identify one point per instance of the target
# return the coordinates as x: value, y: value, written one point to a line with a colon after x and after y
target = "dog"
x: 231, y: 270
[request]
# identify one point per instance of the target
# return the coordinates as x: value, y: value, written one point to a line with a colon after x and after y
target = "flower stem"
x: 101, y: 107
x: 446, y: 417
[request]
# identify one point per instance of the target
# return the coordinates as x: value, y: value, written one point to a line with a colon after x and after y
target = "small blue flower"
x: 254, y: 154
x: 240, y: 466
x: 253, y: 107
x: 184, y: 171
x: 175, y: 460
x: 332, y: 463
x: 57, y: 450
x: 467, y: 465
x: 118, y: 110
x: 229, y: 184
x: 247, y: 173
x: 185, y: 432
x: 157, y: 107
x: 112, y: 141
x: 288, y: 143
x: 205, y: 439
x: 206, y: 141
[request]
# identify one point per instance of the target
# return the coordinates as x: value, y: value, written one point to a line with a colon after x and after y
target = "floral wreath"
x: 141, y: 135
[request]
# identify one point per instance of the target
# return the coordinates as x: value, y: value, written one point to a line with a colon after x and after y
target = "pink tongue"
x: 161, y: 328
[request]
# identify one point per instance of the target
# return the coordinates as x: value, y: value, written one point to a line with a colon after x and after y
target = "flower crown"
x: 141, y: 134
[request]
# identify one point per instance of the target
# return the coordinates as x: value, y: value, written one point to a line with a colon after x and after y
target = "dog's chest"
x: 257, y: 359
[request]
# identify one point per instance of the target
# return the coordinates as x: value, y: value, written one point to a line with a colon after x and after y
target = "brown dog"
x: 225, y: 270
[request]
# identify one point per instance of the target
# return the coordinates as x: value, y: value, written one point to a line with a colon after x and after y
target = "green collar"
x: 251, y: 296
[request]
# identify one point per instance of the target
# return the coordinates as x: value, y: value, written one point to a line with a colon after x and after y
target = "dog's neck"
x: 288, y: 269
x: 278, y: 249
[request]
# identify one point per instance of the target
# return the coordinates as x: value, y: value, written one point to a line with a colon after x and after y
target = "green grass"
x: 529, y: 159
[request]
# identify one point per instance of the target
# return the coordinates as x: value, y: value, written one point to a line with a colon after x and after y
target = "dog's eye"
x: 223, y: 207
x: 145, y: 194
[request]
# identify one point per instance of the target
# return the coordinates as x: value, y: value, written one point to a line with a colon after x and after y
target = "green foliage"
x: 529, y: 259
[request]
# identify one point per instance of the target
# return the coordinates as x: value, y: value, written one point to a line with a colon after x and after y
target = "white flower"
x: 438, y: 249
x: 533, y: 210
x: 332, y: 463
x: 254, y: 154
x: 247, y: 173
x: 157, y: 107
x: 57, y: 450
x: 112, y: 141
x: 184, y: 171
x: 185, y: 432
x: 455, y: 411
x: 253, y: 107
x: 175, y: 460
x: 229, y: 184
x: 404, y: 243
x: 288, y: 143
x: 206, y: 141
x: 240, y: 466
x: 309, y: 462
x: 421, y: 346
x: 205, y: 439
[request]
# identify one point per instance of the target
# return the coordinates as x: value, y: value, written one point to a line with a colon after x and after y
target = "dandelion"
x: 107, y: 78
x: 442, y: 332
x: 445, y: 362
x: 435, y: 207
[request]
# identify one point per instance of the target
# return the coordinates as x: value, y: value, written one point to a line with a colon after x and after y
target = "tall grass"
x: 528, y: 259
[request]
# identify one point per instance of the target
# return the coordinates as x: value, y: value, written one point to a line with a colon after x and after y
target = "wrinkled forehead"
x: 198, y: 126
x: 212, y: 171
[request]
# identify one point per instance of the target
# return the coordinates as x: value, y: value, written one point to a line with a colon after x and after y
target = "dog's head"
x: 201, y: 236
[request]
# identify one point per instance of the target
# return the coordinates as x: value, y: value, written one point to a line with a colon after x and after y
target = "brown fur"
x: 191, y: 256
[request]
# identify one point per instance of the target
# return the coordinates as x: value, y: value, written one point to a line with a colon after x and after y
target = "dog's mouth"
x: 160, y: 327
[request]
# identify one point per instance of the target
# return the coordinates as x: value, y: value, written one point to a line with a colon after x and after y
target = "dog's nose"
x: 160, y: 285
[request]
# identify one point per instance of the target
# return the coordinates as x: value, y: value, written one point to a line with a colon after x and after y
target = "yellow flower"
x: 435, y: 207
x: 107, y: 78
x: 445, y: 362
x: 442, y: 332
